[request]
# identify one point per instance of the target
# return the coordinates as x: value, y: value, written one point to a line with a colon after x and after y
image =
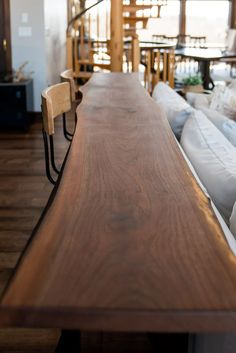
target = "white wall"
x: 55, y: 13
x: 42, y: 42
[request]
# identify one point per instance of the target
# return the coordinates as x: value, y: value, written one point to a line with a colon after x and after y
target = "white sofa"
x: 207, y: 140
x: 222, y: 99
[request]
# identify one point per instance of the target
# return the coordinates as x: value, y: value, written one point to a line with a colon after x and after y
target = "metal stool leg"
x: 67, y: 134
x: 46, y: 152
x: 52, y: 154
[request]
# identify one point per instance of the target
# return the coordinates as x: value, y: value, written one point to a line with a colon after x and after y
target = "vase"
x: 195, y: 88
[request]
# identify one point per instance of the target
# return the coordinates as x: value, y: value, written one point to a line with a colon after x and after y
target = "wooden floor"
x: 24, y: 190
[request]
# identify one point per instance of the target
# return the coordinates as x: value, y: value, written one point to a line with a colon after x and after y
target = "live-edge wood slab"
x: 130, y: 242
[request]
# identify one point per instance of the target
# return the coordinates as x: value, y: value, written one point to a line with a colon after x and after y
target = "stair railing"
x: 76, y: 31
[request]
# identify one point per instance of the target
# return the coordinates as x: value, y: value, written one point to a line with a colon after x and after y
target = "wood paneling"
x: 130, y: 242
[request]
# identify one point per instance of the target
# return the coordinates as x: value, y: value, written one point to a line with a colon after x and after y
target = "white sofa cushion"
x: 214, y: 160
x: 225, y: 125
x: 198, y: 100
x: 229, y: 235
x: 176, y: 108
x: 217, y: 98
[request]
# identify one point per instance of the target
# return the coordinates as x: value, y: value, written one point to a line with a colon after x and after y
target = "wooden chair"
x: 158, y: 37
x: 56, y: 101
x: 230, y: 46
x: 160, y: 66
x: 197, y: 41
x: 183, y: 40
x: 75, y: 96
x: 172, y: 39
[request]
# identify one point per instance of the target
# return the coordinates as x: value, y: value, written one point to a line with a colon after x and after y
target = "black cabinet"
x: 16, y: 101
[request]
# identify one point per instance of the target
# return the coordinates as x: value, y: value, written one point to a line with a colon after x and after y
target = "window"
x: 207, y: 18
x: 167, y: 24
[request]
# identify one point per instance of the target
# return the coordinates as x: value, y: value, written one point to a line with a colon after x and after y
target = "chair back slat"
x: 157, y: 69
x: 67, y: 76
x: 171, y: 68
x: 55, y: 101
x: 165, y: 66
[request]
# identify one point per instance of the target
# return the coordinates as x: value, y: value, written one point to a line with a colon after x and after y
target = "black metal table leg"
x: 69, y: 342
x: 207, y: 80
x: 169, y: 342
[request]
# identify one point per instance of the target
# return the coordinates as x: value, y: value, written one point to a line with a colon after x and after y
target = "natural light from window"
x: 168, y: 24
x: 207, y: 18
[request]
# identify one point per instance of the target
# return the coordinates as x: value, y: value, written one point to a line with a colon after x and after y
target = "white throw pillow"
x: 176, y: 108
x: 229, y: 103
x: 214, y: 160
x: 224, y: 100
x: 217, y: 98
x: 224, y: 124
x: 202, y: 100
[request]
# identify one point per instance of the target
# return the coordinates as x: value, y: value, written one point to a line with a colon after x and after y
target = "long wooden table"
x: 130, y: 242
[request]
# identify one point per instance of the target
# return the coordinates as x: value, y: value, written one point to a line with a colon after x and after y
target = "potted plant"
x: 193, y: 83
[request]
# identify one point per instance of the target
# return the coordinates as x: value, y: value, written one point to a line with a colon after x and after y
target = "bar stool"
x: 56, y: 101
x: 75, y: 96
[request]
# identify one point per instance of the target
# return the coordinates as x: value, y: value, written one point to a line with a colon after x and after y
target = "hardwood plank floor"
x: 24, y: 191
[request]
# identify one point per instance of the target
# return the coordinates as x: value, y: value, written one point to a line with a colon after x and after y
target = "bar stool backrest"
x: 67, y: 76
x: 55, y: 101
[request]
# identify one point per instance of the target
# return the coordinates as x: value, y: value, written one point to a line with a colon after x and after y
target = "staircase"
x: 94, y: 40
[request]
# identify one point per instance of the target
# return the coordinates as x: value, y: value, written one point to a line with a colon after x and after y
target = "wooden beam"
x: 232, y: 14
x: 116, y: 35
x: 182, y: 17
x: 135, y: 54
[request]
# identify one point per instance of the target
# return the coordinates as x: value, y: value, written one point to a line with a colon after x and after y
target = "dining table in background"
x: 204, y: 56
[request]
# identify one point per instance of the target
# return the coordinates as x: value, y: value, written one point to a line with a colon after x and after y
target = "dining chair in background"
x: 230, y: 46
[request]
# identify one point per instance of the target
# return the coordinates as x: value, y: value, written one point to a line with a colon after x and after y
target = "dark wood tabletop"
x: 150, y: 45
x: 130, y: 242
x: 204, y: 57
x: 205, y: 54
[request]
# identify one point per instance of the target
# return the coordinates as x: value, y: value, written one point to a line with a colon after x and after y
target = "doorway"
x: 5, y: 40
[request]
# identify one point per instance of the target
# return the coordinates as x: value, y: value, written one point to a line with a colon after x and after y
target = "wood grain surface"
x: 130, y: 242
